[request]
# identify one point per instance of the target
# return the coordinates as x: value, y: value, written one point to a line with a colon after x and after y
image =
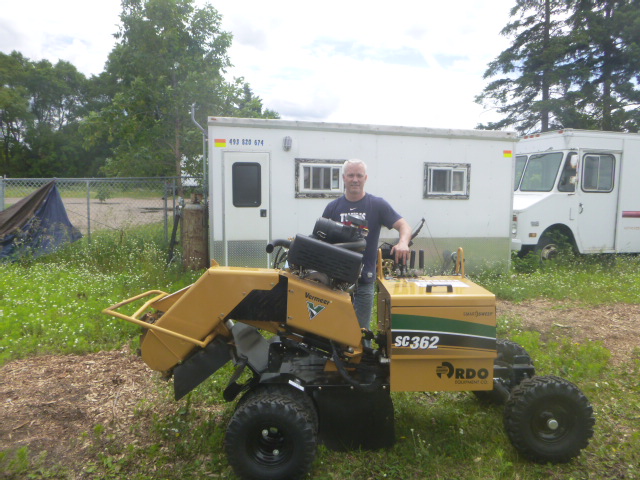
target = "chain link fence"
x: 109, y: 203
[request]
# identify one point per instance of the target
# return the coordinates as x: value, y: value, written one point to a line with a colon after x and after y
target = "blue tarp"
x: 36, y: 225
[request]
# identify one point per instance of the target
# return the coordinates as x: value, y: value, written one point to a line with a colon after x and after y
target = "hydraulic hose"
x: 367, y: 387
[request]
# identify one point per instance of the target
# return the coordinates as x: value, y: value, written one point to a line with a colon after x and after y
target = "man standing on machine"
x: 376, y: 212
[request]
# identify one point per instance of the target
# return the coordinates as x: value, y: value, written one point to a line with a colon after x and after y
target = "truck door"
x: 598, y: 200
x: 246, y: 208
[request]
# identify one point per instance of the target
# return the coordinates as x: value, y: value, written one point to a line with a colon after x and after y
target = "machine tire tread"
x: 507, y: 351
x: 539, y: 399
x: 267, y: 422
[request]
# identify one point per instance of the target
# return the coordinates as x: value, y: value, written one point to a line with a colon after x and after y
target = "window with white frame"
x: 446, y: 180
x: 598, y: 173
x: 318, y: 178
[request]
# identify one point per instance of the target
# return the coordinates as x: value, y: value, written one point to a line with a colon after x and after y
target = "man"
x: 377, y: 212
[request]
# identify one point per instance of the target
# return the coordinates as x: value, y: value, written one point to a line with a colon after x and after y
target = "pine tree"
x: 606, y: 67
x: 533, y: 69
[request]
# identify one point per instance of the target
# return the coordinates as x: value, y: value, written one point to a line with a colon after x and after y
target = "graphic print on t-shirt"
x: 359, y: 215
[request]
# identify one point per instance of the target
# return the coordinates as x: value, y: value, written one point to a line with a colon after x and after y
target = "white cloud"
x: 354, y: 61
x: 77, y: 31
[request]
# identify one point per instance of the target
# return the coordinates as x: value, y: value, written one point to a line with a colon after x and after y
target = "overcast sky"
x: 414, y: 63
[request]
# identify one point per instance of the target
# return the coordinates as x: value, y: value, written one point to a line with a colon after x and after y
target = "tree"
x: 572, y: 65
x: 169, y: 55
x: 606, y: 64
x: 14, y: 109
x: 533, y: 69
x: 40, y: 105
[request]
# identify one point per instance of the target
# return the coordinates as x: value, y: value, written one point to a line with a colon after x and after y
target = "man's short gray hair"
x: 353, y: 161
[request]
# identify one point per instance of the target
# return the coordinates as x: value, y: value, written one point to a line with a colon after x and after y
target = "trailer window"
x: 598, y: 173
x: 541, y: 172
x: 316, y: 178
x: 521, y: 161
x: 446, y: 180
x: 246, y: 184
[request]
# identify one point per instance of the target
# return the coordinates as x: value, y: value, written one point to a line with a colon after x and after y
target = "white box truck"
x: 271, y: 179
x: 579, y: 186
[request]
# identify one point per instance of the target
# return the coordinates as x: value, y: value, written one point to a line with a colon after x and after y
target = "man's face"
x: 354, y: 179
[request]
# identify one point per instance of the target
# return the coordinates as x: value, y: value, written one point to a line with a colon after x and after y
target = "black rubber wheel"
x: 548, y: 419
x: 507, y: 351
x: 283, y: 390
x: 271, y: 436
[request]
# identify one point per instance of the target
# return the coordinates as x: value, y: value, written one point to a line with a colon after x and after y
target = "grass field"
x: 52, y: 306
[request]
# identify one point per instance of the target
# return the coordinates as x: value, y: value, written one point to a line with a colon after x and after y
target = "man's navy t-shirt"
x: 377, y: 212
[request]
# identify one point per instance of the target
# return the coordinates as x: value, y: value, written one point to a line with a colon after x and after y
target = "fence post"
x: 173, y: 197
x: 166, y: 214
x: 1, y: 193
x: 89, y: 210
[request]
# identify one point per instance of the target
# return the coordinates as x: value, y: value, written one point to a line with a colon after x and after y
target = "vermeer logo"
x: 314, y: 309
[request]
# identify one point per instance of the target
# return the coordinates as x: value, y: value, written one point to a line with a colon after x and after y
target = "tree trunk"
x: 544, y: 112
x: 607, y: 102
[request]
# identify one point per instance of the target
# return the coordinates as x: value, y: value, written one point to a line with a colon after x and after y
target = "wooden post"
x: 194, y: 234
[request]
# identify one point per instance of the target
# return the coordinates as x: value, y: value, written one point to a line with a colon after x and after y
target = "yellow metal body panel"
x: 413, y: 291
x: 199, y: 311
x: 441, y: 375
x: 315, y: 308
x: 442, y: 333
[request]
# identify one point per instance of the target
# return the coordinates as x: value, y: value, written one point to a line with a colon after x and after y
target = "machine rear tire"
x: 272, y: 436
x: 507, y: 351
x: 548, y: 419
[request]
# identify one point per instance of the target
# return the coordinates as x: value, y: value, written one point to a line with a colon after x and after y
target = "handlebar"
x: 278, y: 243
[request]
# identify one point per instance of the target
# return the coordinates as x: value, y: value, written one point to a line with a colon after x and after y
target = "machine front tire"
x: 548, y: 419
x: 271, y: 436
x: 507, y: 351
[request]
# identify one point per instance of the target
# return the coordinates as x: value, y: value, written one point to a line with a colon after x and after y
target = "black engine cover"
x: 338, y: 263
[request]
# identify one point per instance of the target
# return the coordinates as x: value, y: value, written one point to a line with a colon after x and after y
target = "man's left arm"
x: 401, y: 249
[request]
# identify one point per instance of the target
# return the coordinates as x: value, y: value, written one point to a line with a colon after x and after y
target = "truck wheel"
x: 547, y: 249
x: 507, y: 351
x: 271, y: 436
x: 548, y: 419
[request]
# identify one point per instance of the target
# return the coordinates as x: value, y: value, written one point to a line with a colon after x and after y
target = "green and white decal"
x: 422, y: 332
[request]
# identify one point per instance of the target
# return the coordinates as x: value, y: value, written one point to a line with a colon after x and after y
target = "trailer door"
x: 246, y: 208
x: 597, y: 207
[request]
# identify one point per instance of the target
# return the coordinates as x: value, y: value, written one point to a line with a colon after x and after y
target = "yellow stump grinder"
x: 316, y: 376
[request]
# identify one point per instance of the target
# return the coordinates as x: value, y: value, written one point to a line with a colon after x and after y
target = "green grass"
x: 52, y: 305
x: 595, y: 279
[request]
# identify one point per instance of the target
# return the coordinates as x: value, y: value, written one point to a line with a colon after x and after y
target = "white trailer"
x: 580, y: 186
x: 271, y: 179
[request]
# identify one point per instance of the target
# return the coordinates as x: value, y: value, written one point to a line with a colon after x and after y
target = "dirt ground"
x: 49, y: 402
x: 114, y: 213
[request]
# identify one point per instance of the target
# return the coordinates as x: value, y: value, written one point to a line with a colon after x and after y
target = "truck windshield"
x: 540, y: 172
